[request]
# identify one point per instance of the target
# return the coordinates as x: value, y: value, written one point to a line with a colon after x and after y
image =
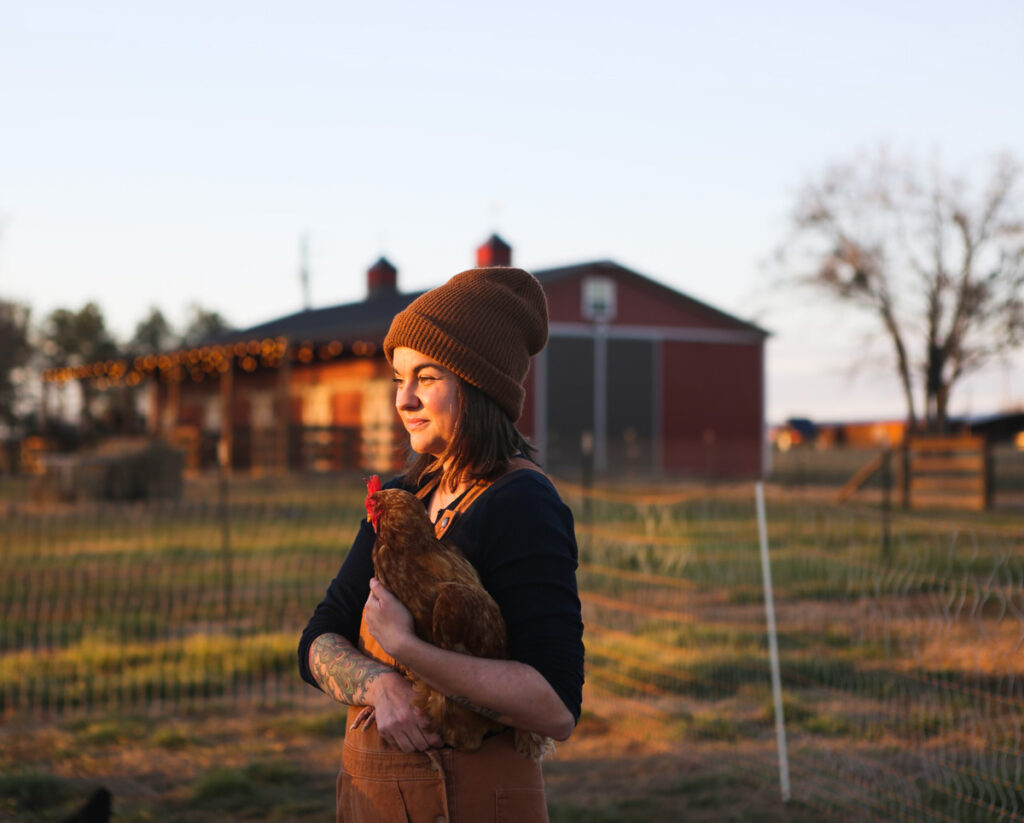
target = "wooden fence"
x: 932, y: 472
x: 948, y: 472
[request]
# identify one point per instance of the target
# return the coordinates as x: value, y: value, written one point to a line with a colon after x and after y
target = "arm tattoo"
x: 342, y: 670
x: 490, y: 714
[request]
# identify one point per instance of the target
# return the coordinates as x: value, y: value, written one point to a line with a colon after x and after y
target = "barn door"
x: 630, y: 406
x: 607, y: 387
x: 570, y: 400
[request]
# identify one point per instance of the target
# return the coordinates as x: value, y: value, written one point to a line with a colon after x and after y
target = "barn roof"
x: 371, y: 318
x: 611, y: 268
x: 367, y: 318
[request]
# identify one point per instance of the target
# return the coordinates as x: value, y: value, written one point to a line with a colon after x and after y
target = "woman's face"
x: 427, y: 399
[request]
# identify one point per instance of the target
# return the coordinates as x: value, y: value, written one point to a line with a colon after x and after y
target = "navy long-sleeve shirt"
x: 519, y: 536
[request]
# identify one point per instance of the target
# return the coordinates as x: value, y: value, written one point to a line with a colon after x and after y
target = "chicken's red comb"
x: 372, y: 486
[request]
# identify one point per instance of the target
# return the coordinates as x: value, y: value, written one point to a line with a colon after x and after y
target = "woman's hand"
x: 387, y: 619
x: 399, y: 722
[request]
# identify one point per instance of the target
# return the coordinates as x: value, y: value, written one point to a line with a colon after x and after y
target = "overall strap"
x: 448, y: 516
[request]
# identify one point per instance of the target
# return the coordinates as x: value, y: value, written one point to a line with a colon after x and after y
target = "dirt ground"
x: 278, y: 763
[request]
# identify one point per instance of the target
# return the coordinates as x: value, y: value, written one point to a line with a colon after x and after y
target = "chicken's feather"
x: 467, y: 620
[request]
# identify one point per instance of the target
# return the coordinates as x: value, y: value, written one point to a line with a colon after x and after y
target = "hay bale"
x: 120, y: 469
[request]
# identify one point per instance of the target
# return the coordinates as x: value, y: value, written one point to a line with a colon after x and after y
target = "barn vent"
x: 494, y: 252
x: 381, y: 279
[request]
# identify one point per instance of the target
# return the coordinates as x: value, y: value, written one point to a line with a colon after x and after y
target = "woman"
x: 460, y: 354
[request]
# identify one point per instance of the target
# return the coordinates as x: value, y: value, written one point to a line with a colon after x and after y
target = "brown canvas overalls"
x: 379, y: 784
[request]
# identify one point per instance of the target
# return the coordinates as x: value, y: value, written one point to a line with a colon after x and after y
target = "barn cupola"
x: 494, y: 252
x: 381, y: 279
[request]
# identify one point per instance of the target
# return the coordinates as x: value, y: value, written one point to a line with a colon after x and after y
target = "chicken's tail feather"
x: 534, y: 746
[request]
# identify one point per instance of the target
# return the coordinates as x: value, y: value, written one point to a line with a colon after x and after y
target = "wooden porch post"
x: 284, y: 409
x: 227, y: 395
x: 44, y: 407
x: 153, y: 417
x: 174, y: 398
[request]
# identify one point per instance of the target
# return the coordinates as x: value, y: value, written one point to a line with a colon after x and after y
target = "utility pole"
x: 304, y: 270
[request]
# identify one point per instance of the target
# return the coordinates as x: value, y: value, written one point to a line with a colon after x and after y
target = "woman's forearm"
x: 508, y: 691
x: 352, y: 678
x: 344, y: 672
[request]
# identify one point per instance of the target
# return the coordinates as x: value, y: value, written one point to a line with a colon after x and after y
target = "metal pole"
x: 773, y: 645
x: 887, y: 508
x: 587, y: 472
x: 600, y: 451
x: 225, y: 542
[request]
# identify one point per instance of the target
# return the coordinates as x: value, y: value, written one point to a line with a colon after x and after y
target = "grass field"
x: 151, y: 649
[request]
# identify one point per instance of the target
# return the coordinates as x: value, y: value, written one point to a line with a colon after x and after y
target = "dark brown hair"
x: 484, y: 441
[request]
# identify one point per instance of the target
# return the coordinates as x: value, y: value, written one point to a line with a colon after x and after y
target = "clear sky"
x: 165, y: 154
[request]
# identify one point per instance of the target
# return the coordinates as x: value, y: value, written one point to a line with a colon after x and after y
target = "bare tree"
x: 937, y: 260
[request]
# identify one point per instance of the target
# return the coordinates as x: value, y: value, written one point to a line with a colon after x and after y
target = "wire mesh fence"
x: 901, y: 642
x: 166, y: 603
x: 901, y: 639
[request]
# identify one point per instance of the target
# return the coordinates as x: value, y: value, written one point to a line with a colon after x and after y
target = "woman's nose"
x: 405, y: 397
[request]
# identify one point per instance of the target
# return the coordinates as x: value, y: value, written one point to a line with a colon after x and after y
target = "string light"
x: 198, y: 362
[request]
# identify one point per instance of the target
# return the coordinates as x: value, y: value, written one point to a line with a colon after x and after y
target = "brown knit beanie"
x: 483, y: 325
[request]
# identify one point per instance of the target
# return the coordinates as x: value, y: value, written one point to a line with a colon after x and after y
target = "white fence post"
x: 773, y: 644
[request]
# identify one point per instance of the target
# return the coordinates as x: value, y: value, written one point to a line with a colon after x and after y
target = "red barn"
x: 650, y: 379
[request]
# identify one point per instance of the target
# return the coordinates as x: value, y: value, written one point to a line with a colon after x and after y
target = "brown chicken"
x: 450, y: 609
